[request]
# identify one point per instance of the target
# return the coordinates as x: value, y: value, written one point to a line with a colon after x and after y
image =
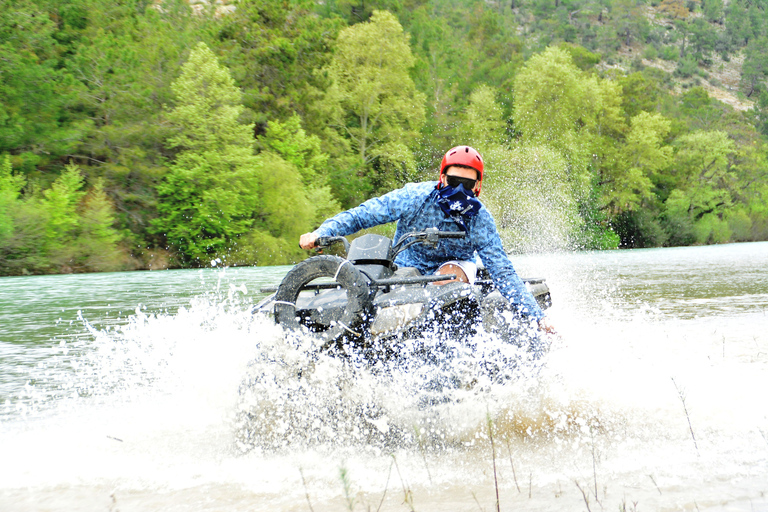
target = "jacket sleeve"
x: 494, y: 257
x: 373, y: 212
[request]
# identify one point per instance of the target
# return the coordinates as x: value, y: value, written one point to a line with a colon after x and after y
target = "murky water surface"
x: 161, y: 391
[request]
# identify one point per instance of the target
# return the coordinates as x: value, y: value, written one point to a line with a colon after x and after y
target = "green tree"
x: 581, y: 57
x: 304, y: 152
x: 639, y: 228
x: 677, y: 219
x: 274, y: 49
x: 60, y: 204
x: 36, y: 93
x: 550, y: 93
x: 286, y: 210
x: 496, y: 48
x: 641, y: 92
x: 356, y: 11
x: 442, y: 56
x: 579, y: 115
x: 125, y: 60
x: 704, y: 185
x: 696, y: 110
x: 628, y: 22
x: 702, y: 38
x: 97, y: 243
x: 484, y: 125
x: 626, y: 183
x: 289, y: 140
x: 737, y: 25
x: 750, y: 163
x: 207, y: 197
x: 755, y: 69
x: 62, y: 229
x: 10, y: 188
x: 377, y: 106
x: 713, y: 10
x: 558, y: 105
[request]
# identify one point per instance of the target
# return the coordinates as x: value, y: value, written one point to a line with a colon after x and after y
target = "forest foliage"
x: 138, y: 134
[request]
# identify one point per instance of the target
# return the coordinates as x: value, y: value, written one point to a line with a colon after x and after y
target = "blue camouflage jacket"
x: 415, y: 208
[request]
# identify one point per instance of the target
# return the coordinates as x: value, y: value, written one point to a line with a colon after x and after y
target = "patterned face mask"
x: 458, y: 203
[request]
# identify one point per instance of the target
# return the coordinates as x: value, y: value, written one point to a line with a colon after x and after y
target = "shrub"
x: 670, y: 52
x: 650, y: 53
x: 687, y: 66
x: 639, y: 229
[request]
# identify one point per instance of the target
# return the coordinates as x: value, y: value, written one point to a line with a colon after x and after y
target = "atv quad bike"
x: 365, y: 299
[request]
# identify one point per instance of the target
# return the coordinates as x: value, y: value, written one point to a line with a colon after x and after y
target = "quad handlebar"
x: 325, y: 241
x: 429, y: 237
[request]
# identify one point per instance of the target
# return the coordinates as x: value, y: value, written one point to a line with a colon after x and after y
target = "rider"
x: 450, y: 204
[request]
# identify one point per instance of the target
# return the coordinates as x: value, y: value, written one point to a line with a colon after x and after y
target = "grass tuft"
x: 681, y: 394
x: 493, y: 453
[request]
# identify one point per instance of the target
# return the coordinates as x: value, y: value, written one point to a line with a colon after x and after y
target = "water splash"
x: 213, y: 403
x: 294, y: 396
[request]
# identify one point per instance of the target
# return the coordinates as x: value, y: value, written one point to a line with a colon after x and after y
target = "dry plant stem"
x: 406, y: 491
x: 514, y: 475
x: 681, y: 394
x: 478, y: 502
x: 385, y: 486
x: 493, y: 453
x: 423, y: 453
x: 530, y: 483
x: 306, y: 491
x: 583, y: 495
x: 594, y: 464
x: 654, y: 483
x: 623, y: 507
x: 347, y: 486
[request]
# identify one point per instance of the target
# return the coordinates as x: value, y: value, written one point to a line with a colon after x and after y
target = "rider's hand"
x: 307, y: 240
x: 547, y: 327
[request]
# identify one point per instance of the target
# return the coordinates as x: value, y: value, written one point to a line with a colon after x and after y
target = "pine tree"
x: 97, y: 241
x: 207, y: 199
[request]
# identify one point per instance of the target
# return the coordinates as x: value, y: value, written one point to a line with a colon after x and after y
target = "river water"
x: 161, y: 391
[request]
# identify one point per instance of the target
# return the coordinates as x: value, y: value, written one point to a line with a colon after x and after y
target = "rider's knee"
x: 451, y: 268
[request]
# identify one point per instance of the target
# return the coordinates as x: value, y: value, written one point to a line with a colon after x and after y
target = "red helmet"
x: 464, y: 156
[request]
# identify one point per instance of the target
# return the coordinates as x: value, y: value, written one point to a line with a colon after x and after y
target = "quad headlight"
x: 394, y: 318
